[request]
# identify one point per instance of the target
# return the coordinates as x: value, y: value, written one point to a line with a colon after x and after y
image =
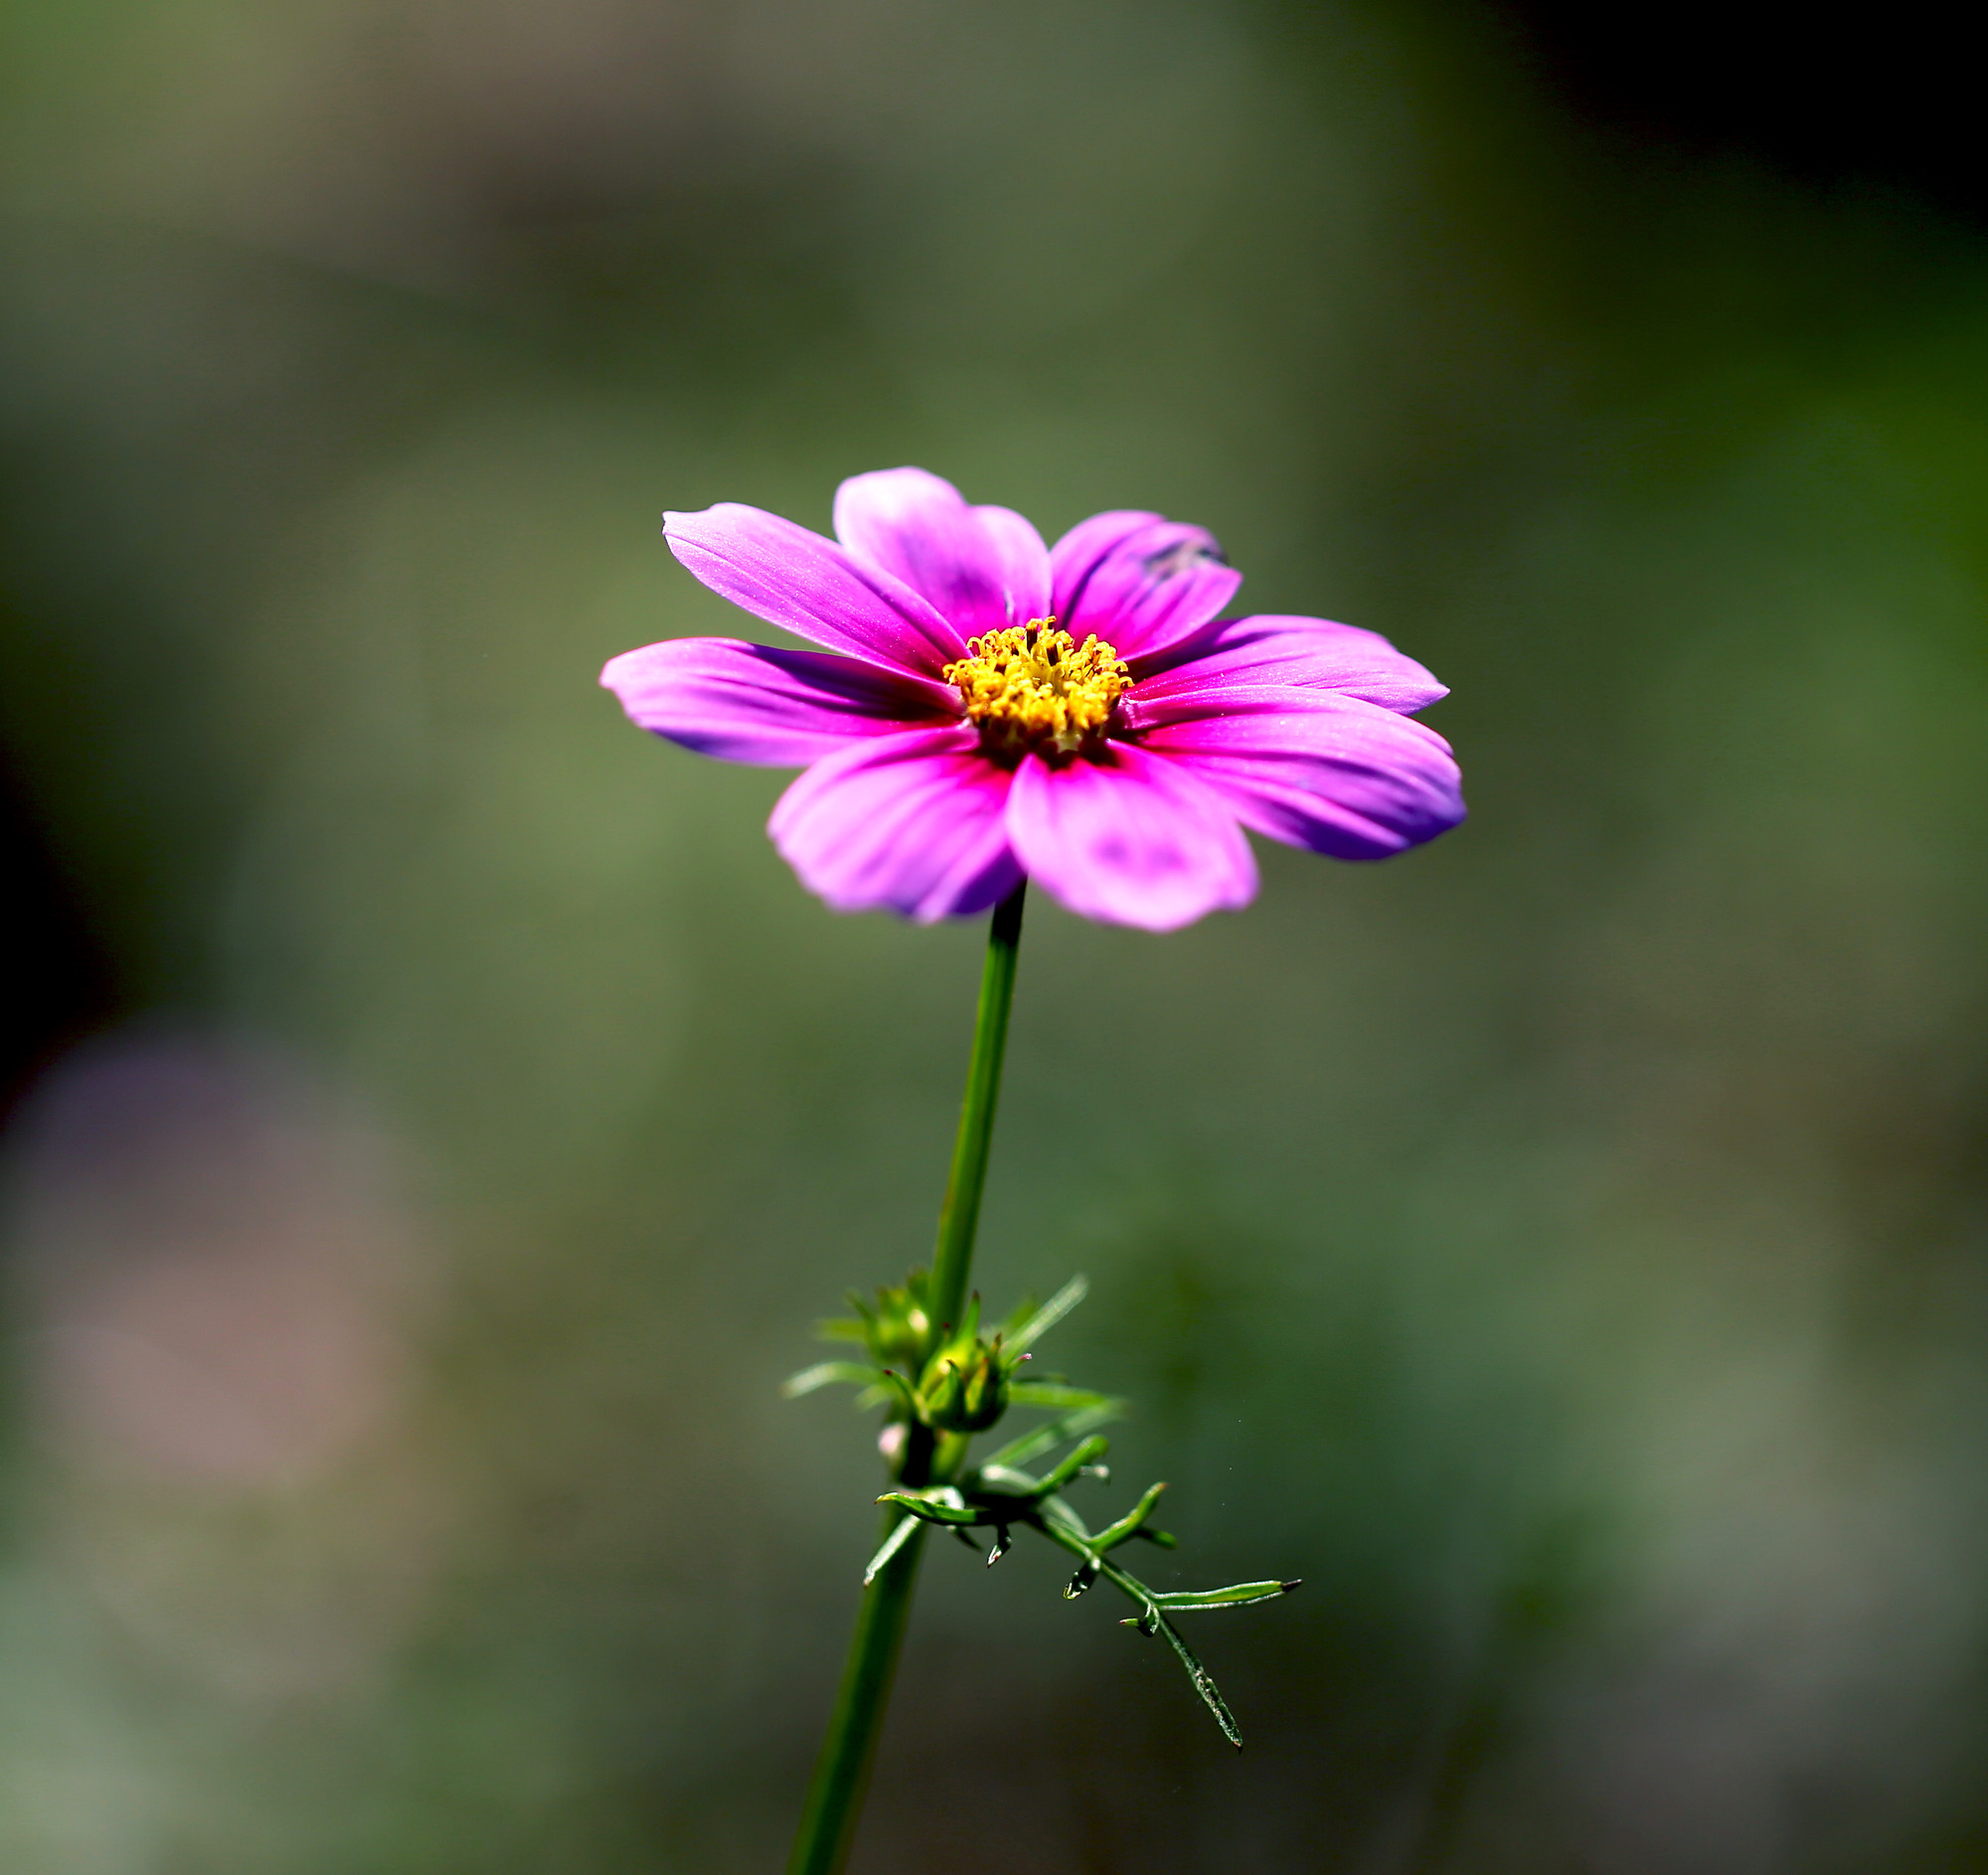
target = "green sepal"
x: 896, y: 1326
x: 934, y: 1508
x: 827, y: 1374
x: 889, y: 1388
x: 969, y: 1323
x: 1186, y: 1600
x: 893, y: 1543
x: 964, y: 1390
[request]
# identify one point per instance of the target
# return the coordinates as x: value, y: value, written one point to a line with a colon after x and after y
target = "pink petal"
x: 981, y: 568
x: 1311, y: 652
x: 1135, y: 840
x: 790, y: 578
x: 911, y: 823
x: 1319, y: 769
x: 1074, y: 558
x: 753, y: 703
x: 1139, y: 581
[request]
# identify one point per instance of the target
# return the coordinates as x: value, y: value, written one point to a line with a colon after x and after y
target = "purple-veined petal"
x: 1023, y: 560
x: 1314, y: 768
x: 1076, y: 557
x: 911, y: 823
x: 981, y: 568
x: 1141, y: 582
x: 1314, y: 653
x: 796, y: 579
x: 1132, y: 840
x: 755, y: 702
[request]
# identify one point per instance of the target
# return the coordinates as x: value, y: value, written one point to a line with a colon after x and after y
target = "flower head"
x: 990, y: 707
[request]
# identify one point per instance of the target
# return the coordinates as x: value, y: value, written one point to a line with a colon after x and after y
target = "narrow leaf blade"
x: 1240, y: 1595
x: 1051, y: 1433
x: 840, y: 1328
x: 1127, y: 1526
x: 893, y: 1543
x: 1073, y: 1462
x: 931, y: 1509
x: 828, y: 1374
x: 1022, y: 1312
x: 1204, y: 1684
x: 1046, y: 1317
x: 1044, y: 1393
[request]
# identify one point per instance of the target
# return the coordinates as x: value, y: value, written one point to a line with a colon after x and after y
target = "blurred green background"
x: 440, y: 1115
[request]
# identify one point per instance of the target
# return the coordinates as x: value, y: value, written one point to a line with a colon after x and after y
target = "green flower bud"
x: 966, y: 1388
x: 898, y: 1331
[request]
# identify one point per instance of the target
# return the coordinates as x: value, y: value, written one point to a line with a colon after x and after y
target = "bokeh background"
x: 436, y: 1115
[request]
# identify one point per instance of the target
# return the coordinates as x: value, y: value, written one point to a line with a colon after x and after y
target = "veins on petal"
x: 1182, y: 556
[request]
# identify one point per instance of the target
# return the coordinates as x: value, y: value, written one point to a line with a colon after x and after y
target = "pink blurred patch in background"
x: 218, y: 1267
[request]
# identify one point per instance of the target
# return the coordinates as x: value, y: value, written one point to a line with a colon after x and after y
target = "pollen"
x: 1034, y: 689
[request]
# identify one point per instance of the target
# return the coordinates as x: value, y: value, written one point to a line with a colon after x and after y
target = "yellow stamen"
x: 1034, y: 688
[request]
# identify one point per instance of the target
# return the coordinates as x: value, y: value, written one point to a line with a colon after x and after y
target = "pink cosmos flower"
x: 995, y: 707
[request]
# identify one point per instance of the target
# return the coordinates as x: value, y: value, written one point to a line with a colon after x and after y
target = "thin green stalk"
x: 841, y: 1773
x: 959, y: 1216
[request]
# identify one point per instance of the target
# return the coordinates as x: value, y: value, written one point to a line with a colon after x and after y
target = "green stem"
x: 835, y: 1797
x: 959, y: 1216
x: 828, y: 1820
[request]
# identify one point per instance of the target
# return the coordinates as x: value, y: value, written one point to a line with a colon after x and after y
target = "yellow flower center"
x: 1034, y: 688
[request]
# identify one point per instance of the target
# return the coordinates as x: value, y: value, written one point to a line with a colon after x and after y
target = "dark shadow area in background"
x: 60, y: 983
x: 1836, y: 99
